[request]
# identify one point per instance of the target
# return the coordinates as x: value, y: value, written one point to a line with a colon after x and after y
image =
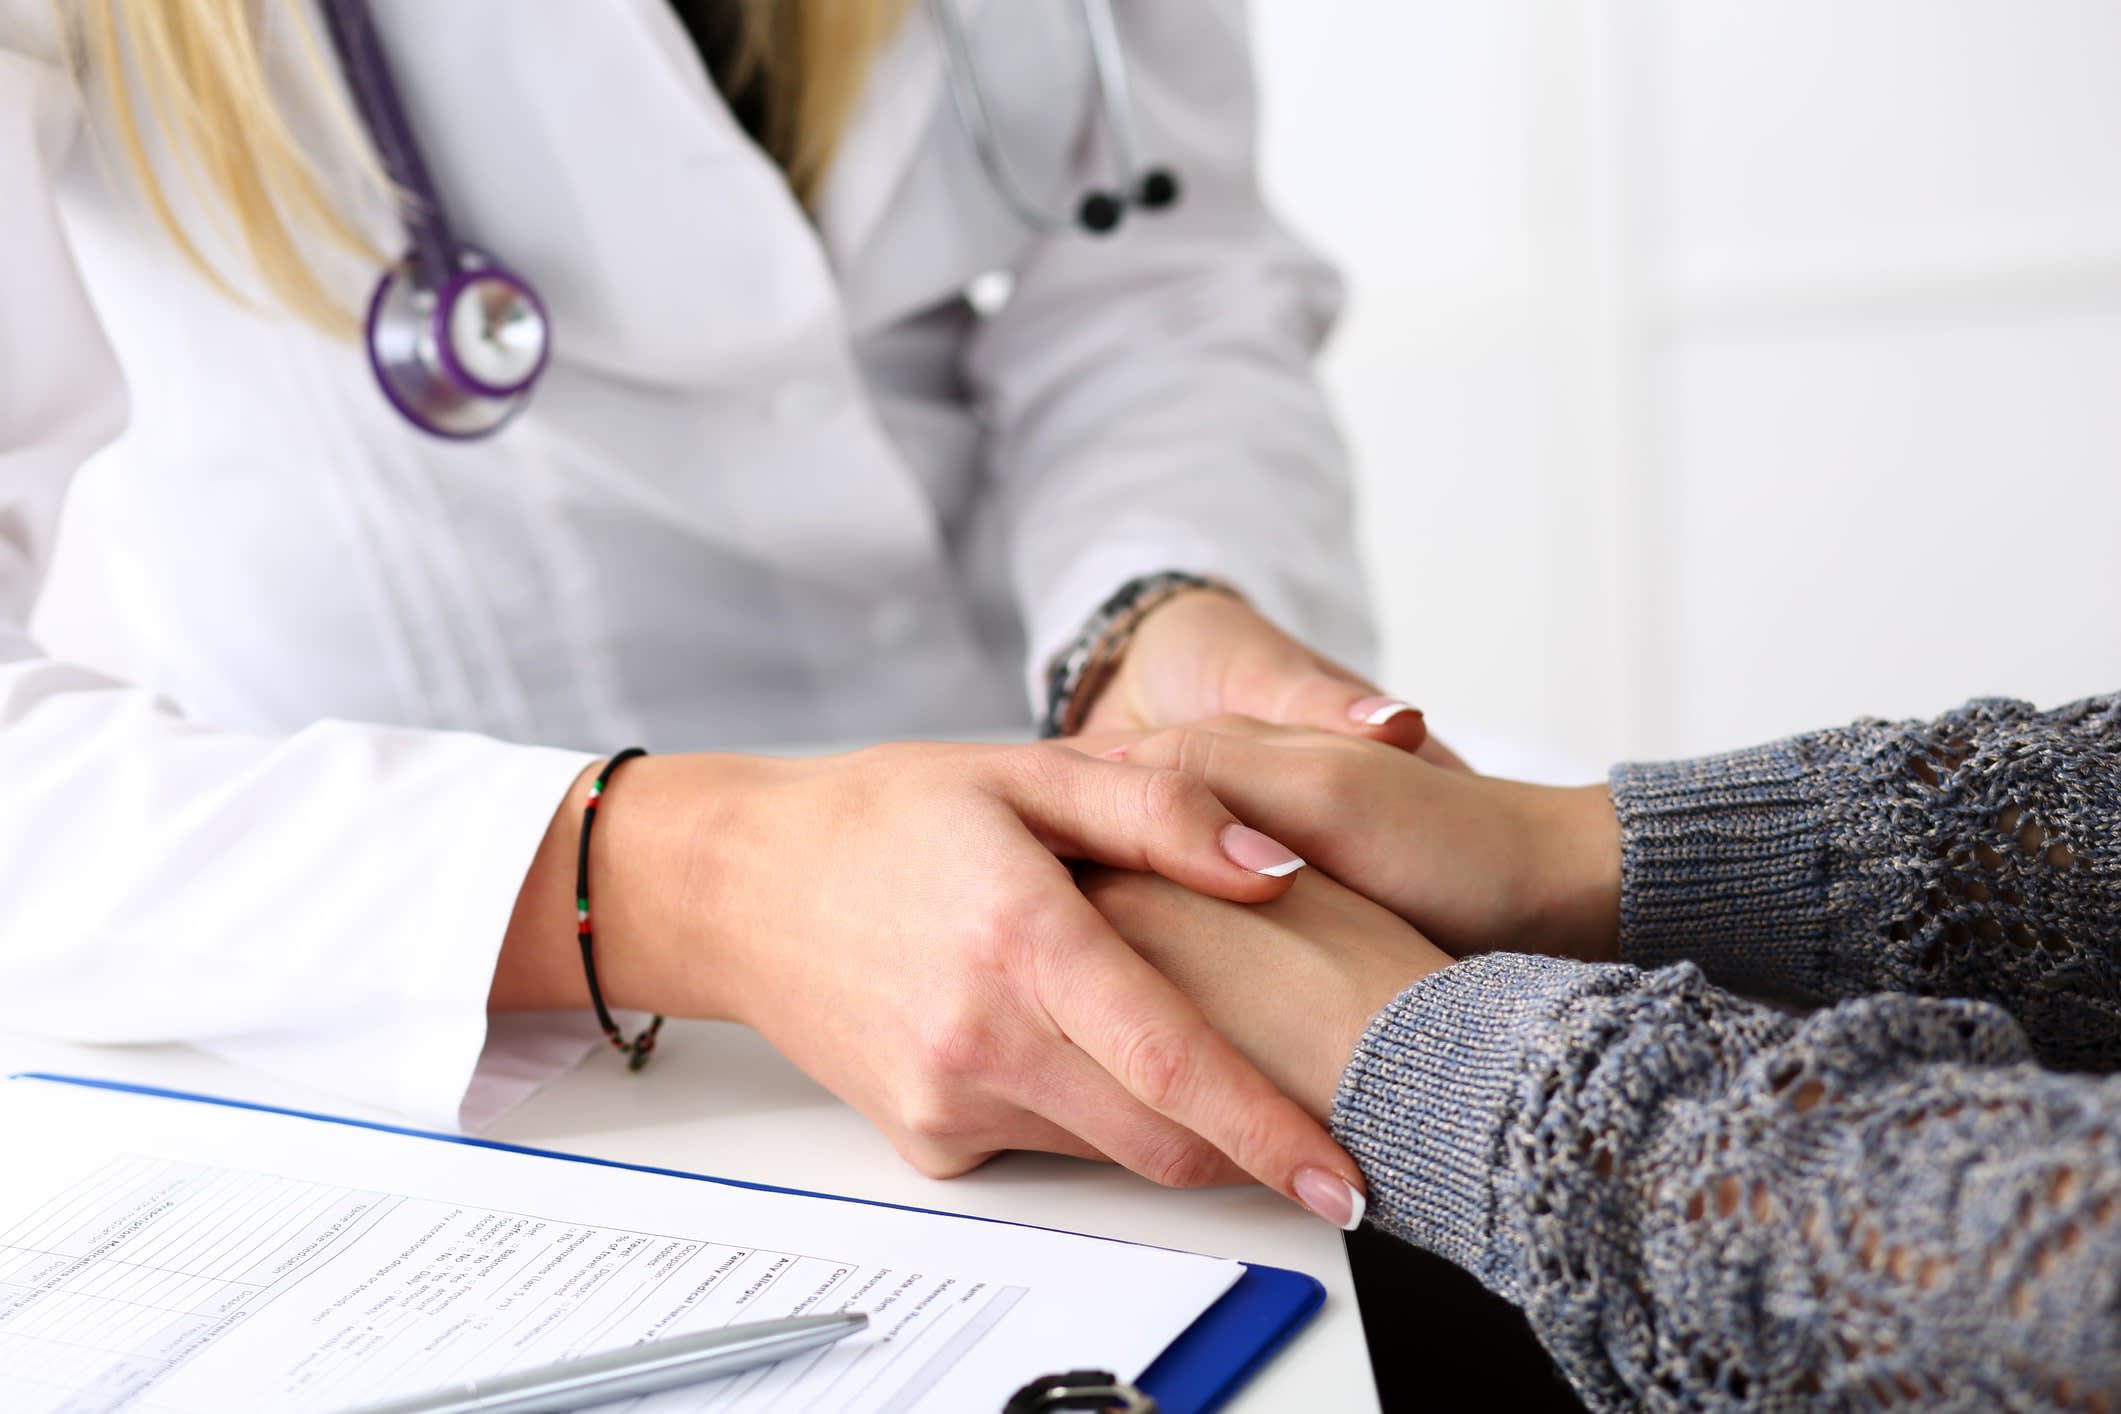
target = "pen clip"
x: 1079, y: 1389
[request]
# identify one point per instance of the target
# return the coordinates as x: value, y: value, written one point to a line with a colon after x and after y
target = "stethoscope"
x: 457, y: 339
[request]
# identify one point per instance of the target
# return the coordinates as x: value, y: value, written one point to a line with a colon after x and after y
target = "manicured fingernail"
x: 1117, y: 753
x: 1376, y: 711
x: 1247, y: 848
x: 1331, y: 1197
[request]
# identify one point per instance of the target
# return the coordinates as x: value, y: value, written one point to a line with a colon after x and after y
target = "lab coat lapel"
x: 896, y: 106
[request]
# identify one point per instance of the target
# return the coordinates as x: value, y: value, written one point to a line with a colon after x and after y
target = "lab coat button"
x: 989, y: 291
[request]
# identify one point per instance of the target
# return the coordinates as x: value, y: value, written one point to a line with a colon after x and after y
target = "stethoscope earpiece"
x: 1099, y: 212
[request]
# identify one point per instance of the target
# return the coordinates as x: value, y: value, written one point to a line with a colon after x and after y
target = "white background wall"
x: 1719, y: 370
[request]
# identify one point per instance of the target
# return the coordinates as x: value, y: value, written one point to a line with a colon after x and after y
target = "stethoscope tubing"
x: 412, y: 329
x: 969, y: 97
x: 382, y: 112
x: 1108, y: 62
x: 1108, y: 66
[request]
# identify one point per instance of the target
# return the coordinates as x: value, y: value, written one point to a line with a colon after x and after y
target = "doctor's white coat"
x: 303, y: 686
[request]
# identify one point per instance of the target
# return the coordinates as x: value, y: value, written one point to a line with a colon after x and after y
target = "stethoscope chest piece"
x: 458, y: 360
x: 457, y: 340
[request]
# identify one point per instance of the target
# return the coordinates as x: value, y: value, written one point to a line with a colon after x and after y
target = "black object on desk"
x: 1440, y: 1340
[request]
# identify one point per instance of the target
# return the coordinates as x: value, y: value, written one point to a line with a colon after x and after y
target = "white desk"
x: 720, y: 1100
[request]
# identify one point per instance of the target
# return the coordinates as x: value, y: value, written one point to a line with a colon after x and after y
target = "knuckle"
x: 936, y: 1160
x: 1191, y: 749
x: 1044, y: 768
x: 1155, y: 1065
x: 1171, y: 748
x: 1177, y: 1159
x: 960, y: 1048
x: 1170, y: 797
x: 940, y: 1119
x: 1257, y: 1136
x: 997, y: 934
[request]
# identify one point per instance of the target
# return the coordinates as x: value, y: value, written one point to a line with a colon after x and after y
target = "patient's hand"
x: 1291, y: 983
x: 1478, y: 864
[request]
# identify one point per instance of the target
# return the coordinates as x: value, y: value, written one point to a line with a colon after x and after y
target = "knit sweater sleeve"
x: 1978, y: 855
x: 1703, y: 1203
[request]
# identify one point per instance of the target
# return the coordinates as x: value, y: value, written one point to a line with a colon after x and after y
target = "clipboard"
x: 1195, y: 1374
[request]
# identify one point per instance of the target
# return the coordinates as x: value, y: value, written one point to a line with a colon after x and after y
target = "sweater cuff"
x: 1436, y: 1078
x: 1723, y: 864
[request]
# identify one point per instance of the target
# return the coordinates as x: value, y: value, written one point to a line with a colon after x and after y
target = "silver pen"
x: 633, y: 1371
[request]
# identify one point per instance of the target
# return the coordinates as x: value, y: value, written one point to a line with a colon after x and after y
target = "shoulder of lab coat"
x: 1151, y: 394
x: 329, y: 904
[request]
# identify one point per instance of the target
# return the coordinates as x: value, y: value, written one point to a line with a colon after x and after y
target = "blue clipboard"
x: 1196, y: 1374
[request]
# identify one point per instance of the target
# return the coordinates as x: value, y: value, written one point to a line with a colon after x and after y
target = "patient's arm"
x: 1291, y: 983
x: 1975, y: 855
x: 1700, y: 1202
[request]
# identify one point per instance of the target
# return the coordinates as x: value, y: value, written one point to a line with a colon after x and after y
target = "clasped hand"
x: 977, y: 1000
x: 1407, y: 856
x: 903, y: 922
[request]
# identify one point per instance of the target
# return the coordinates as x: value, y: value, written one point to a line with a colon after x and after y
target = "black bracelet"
x: 637, y: 1050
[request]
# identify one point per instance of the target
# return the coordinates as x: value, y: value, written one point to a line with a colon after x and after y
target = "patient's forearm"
x: 1703, y: 1203
x: 1977, y: 855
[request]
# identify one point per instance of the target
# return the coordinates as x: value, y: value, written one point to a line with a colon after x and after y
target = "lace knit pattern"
x: 1704, y: 1202
x: 1975, y: 856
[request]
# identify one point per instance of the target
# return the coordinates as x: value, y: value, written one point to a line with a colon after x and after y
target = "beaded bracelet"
x: 638, y: 1049
x: 1079, y: 671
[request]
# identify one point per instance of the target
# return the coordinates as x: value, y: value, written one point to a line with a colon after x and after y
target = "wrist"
x: 653, y: 933
x: 660, y: 863
x: 1576, y: 872
x: 1366, y: 994
x: 1435, y: 1082
x: 1083, y: 672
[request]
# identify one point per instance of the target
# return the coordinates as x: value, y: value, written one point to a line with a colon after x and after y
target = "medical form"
x: 158, y: 1255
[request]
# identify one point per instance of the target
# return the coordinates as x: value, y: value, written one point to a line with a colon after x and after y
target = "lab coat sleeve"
x: 1150, y: 395
x: 328, y: 905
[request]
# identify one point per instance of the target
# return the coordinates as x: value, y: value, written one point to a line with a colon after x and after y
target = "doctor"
x: 849, y: 429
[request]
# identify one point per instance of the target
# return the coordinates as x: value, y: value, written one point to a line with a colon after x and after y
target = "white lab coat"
x: 305, y: 686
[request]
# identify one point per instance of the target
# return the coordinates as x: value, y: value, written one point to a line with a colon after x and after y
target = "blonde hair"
x: 813, y: 56
x: 201, y: 67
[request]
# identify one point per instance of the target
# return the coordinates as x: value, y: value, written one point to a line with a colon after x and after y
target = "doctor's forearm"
x: 642, y: 857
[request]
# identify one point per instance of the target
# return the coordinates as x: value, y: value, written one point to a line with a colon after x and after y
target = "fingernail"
x: 1331, y: 1197
x: 1117, y: 753
x: 1247, y: 848
x: 1376, y: 711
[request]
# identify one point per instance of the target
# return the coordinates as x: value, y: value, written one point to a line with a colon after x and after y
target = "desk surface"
x: 720, y: 1100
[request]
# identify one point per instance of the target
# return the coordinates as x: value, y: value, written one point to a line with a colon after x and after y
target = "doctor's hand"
x: 1292, y: 983
x: 900, y: 923
x: 1476, y: 863
x: 1204, y: 653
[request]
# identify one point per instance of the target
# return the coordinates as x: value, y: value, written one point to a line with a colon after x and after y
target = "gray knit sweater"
x: 1885, y: 1202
